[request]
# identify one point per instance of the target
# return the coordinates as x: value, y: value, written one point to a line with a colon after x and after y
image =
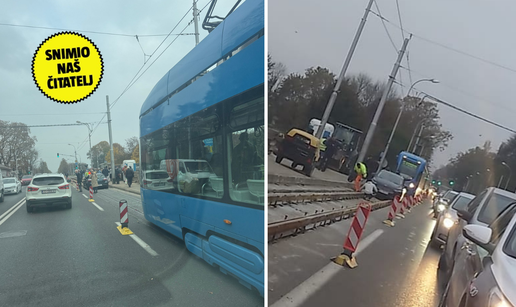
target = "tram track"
x: 296, y: 212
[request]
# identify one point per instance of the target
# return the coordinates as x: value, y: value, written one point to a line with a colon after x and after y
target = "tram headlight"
x: 441, y: 207
x: 411, y: 185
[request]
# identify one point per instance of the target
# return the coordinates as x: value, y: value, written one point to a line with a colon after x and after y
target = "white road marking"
x: 84, y: 196
x: 142, y: 243
x: 98, y: 207
x: 298, y: 295
x: 11, y: 211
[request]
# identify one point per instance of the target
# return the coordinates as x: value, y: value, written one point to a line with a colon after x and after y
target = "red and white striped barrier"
x: 91, y: 194
x: 124, y: 216
x: 77, y: 185
x: 403, y: 206
x: 392, y: 214
x: 353, y: 238
x: 399, y: 207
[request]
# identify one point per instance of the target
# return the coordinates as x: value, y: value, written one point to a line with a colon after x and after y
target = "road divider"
x: 395, y: 203
x: 7, y: 214
x: 275, y: 200
x: 353, y: 237
x: 91, y: 194
x: 124, y: 218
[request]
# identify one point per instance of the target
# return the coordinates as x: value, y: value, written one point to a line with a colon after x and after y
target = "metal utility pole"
x: 336, y: 89
x: 110, y: 137
x: 379, y: 109
x: 196, y: 23
x: 89, y: 136
x: 418, y: 138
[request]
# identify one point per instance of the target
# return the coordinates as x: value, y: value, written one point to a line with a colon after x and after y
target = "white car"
x: 12, y: 185
x: 48, y: 189
x: 157, y: 180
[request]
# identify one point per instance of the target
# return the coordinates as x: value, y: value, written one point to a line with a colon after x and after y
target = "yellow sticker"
x: 67, y: 67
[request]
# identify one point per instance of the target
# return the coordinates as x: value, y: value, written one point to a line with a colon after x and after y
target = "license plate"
x: 159, y: 184
x: 48, y: 191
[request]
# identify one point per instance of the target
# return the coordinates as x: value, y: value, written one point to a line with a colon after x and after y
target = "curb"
x: 277, y: 179
x: 119, y: 188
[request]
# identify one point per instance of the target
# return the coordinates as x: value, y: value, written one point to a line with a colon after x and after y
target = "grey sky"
x: 21, y: 101
x: 325, y: 30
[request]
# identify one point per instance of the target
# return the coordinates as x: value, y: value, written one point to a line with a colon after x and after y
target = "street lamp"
x: 399, y: 116
x: 510, y: 174
x: 89, y: 137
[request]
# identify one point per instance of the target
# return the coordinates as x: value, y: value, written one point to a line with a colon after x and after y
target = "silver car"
x: 12, y: 185
x: 482, y: 210
x: 443, y: 202
x: 484, y: 274
x: 448, y: 218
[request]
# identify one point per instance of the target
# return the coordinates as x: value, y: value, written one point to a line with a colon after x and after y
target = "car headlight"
x: 441, y: 207
x: 411, y: 185
x: 496, y: 299
x: 448, y: 223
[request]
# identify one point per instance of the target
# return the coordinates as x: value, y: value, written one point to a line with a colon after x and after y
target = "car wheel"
x: 2, y: 198
x: 29, y: 208
x: 434, y: 243
x: 279, y: 159
x: 308, y: 170
x: 69, y: 205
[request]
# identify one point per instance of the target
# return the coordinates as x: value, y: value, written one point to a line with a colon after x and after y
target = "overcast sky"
x: 21, y: 101
x: 305, y: 33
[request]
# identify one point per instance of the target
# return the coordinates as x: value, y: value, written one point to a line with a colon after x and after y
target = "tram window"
x: 190, y: 151
x: 245, y: 153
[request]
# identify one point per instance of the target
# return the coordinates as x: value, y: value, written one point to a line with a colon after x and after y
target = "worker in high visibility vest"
x: 361, y: 170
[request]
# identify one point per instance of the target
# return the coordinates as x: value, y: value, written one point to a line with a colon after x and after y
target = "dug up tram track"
x: 293, y: 211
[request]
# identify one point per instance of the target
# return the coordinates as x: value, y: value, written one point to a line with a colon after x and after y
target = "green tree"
x: 136, y: 154
x: 98, y: 153
x: 118, y: 152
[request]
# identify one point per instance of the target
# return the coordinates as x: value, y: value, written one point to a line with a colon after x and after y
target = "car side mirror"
x: 480, y: 235
x: 465, y: 215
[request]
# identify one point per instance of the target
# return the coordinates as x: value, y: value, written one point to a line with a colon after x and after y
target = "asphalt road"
x: 396, y: 266
x: 77, y: 257
x: 284, y: 169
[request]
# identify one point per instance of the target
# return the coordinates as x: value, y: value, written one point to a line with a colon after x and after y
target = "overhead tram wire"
x: 379, y: 14
x: 461, y: 91
x: 464, y: 53
x: 438, y: 100
x: 86, y: 31
x: 403, y: 36
x: 131, y: 84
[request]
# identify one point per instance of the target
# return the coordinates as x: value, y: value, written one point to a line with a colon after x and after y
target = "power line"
x: 131, y: 82
x: 379, y: 14
x: 39, y: 114
x: 452, y: 49
x: 86, y: 31
x: 463, y: 111
x: 469, y: 113
x: 35, y: 126
x: 464, y: 92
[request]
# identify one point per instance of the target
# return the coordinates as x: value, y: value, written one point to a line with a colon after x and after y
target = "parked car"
x: 12, y: 185
x: 443, y: 202
x: 157, y: 180
x: 48, y: 189
x: 26, y: 180
x: 103, y: 181
x: 389, y: 184
x: 484, y: 274
x: 448, y: 218
x: 482, y: 210
x: 301, y: 148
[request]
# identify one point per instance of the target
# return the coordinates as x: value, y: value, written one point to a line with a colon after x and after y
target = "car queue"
x: 477, y: 266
